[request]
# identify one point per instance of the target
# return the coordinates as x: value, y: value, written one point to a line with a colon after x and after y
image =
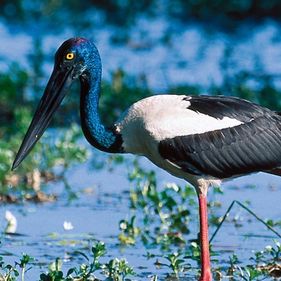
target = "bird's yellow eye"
x: 69, y: 56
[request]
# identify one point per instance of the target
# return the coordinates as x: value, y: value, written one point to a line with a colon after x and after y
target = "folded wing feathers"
x: 250, y: 147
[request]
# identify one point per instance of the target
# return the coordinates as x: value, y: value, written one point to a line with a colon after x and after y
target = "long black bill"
x: 55, y: 91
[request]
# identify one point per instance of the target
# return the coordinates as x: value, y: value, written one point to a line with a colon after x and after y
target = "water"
x: 189, y: 54
x: 103, y: 202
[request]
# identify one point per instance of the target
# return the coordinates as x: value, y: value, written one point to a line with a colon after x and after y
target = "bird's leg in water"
x: 205, y: 253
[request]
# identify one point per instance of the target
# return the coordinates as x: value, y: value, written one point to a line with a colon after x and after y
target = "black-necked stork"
x: 202, y: 139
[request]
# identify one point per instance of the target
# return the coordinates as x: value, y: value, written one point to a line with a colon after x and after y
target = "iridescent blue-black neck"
x: 105, y: 139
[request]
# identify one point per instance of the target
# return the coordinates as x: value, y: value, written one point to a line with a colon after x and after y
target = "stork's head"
x: 76, y: 57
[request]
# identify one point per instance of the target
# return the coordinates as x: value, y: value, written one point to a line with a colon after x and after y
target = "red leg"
x: 205, y: 254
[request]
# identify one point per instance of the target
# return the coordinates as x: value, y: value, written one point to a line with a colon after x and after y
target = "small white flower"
x: 11, y: 222
x: 123, y: 225
x: 67, y: 225
x: 268, y: 248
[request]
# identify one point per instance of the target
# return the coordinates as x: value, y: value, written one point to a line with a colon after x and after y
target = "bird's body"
x: 199, y: 138
x: 150, y: 121
x: 202, y: 139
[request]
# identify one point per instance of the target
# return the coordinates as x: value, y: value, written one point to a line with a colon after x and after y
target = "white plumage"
x: 156, y: 118
x: 164, y: 116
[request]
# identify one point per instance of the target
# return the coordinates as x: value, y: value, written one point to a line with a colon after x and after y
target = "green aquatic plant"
x: 193, y: 251
x: 114, y: 270
x: 264, y: 265
x: 117, y: 269
x: 162, y: 212
x: 55, y: 273
x: 165, y: 212
x: 24, y: 261
x: 10, y: 272
x: 271, y: 255
x: 249, y: 273
x: 176, y: 262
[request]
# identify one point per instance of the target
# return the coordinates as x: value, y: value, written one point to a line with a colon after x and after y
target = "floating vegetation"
x: 265, y: 265
x: 115, y: 269
x: 165, y: 214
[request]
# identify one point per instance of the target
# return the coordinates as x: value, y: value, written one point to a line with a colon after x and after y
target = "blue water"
x: 103, y: 202
x: 193, y: 54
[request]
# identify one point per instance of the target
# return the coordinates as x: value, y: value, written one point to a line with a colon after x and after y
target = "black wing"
x: 250, y: 147
x: 223, y: 106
